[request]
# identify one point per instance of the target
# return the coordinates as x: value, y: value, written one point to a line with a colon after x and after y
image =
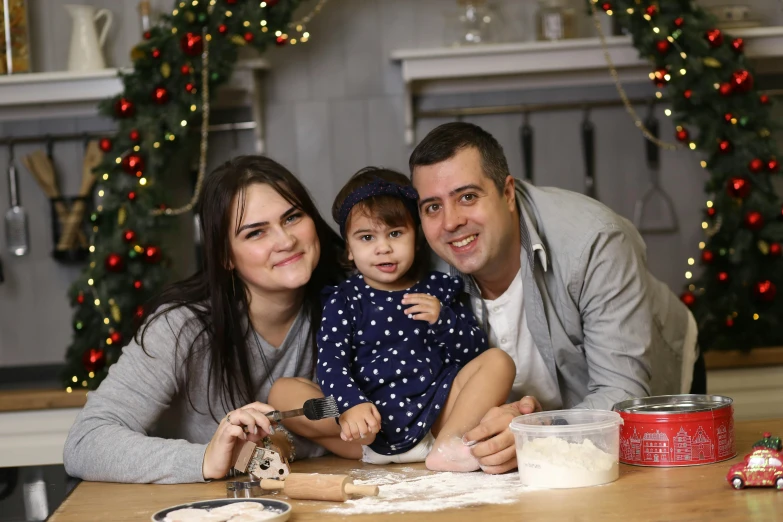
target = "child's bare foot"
x: 451, y: 455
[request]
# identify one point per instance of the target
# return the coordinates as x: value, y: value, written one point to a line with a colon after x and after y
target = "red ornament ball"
x: 773, y: 165
x: 138, y: 285
x: 124, y: 108
x: 724, y: 146
x: 688, y: 298
x: 271, y: 3
x: 728, y: 117
x: 658, y: 76
x: 147, y: 35
x: 755, y: 165
x: 711, y: 211
x: 742, y: 80
x: 280, y: 41
x: 222, y: 28
x: 155, y: 53
x: 774, y: 249
x: 682, y: 135
x: 678, y: 22
x: 723, y: 277
x: 738, y: 44
x: 133, y: 164
x: 129, y: 236
x: 189, y: 87
x: 663, y: 46
x: 94, y: 359
x: 687, y: 94
x: 738, y: 187
x: 160, y: 95
x: 114, y: 263
x: 714, y: 37
x: 651, y: 9
x: 132, y: 196
x: 185, y: 69
x: 80, y: 297
x: 191, y: 44
x: 105, y: 144
x: 138, y: 313
x: 707, y: 257
x: 725, y: 89
x: 116, y: 337
x: 729, y: 322
x: 152, y: 254
x: 248, y: 36
x: 134, y: 135
x: 606, y: 6
x: 764, y: 99
x: 754, y: 220
x: 765, y: 291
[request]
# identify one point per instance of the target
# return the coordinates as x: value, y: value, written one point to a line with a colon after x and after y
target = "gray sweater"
x: 139, y: 425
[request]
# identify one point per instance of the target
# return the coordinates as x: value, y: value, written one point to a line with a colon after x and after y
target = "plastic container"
x: 568, y: 448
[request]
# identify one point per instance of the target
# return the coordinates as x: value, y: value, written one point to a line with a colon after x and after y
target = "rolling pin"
x: 315, y: 486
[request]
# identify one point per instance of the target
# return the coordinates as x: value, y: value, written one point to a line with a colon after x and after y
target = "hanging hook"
x: 49, y: 146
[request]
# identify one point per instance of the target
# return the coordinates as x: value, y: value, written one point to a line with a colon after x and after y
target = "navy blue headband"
x: 379, y: 187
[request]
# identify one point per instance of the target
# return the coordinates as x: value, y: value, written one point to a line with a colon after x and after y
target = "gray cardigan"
x: 139, y: 426
x: 605, y: 327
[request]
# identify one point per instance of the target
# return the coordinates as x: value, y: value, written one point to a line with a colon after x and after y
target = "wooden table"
x: 641, y: 494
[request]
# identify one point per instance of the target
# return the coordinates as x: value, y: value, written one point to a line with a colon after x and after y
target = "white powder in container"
x: 552, y: 462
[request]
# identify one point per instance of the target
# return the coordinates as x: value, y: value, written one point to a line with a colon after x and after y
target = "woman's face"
x: 275, y: 247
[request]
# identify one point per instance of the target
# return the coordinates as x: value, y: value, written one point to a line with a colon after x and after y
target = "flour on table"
x: 419, y: 490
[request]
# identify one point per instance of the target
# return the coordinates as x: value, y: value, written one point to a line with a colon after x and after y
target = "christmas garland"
x: 159, y: 106
x: 719, y: 112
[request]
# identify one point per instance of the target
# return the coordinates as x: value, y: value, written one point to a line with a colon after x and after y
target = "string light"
x: 84, y: 384
x: 184, y: 123
x: 629, y: 10
x: 691, y: 261
x: 704, y: 225
x: 75, y: 379
x: 702, y: 244
x: 755, y: 317
x: 90, y: 281
x: 118, y: 160
x: 100, y: 192
x: 709, y: 204
x: 656, y: 30
x: 156, y: 145
x: 136, y: 148
x: 105, y: 177
x: 688, y: 275
x: 91, y: 375
x: 667, y: 112
x: 68, y: 389
x: 105, y: 320
x: 142, y: 181
x: 92, y: 248
x: 692, y: 146
x: 97, y: 302
x: 703, y: 164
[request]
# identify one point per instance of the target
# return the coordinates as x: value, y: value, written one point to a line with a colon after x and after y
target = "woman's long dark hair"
x: 218, y: 300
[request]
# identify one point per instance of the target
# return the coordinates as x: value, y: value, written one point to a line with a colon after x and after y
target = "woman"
x: 202, y: 366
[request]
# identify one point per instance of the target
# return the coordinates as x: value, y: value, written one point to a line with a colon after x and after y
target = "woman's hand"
x: 360, y: 420
x: 425, y: 307
x: 219, y: 456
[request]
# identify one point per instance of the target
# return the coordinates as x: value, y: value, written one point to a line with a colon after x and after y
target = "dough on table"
x: 237, y: 508
x: 193, y: 515
x: 253, y: 516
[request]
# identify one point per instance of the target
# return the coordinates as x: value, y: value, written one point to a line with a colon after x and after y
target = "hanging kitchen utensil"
x: 654, y: 191
x: 17, y: 239
x: 588, y: 151
x: 526, y: 138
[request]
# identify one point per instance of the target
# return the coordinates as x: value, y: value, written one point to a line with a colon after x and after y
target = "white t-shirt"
x: 508, y: 331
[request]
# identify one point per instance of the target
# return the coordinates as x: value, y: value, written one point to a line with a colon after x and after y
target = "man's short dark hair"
x: 444, y: 141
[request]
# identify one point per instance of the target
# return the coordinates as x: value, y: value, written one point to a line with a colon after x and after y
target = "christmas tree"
x: 176, y: 68
x: 768, y: 442
x: 719, y: 113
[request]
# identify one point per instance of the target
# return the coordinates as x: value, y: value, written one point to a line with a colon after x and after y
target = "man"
x: 559, y: 281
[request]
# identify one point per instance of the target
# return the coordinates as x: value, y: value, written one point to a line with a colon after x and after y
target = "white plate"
x: 282, y: 509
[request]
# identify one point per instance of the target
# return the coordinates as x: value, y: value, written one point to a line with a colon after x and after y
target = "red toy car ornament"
x: 762, y: 467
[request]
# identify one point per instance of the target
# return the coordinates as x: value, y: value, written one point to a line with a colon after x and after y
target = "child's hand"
x: 359, y: 421
x: 426, y: 307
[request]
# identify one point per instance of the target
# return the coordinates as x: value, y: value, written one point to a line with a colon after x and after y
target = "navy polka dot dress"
x: 370, y: 351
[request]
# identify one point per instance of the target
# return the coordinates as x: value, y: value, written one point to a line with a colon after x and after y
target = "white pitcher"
x: 86, y: 53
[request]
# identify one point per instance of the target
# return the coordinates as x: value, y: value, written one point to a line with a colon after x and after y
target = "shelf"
x: 528, y: 65
x: 66, y: 94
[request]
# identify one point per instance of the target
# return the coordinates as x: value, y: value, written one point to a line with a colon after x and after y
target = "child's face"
x: 382, y: 254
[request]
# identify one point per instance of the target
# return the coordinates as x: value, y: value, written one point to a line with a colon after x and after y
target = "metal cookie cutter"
x: 243, y: 489
x: 261, y: 463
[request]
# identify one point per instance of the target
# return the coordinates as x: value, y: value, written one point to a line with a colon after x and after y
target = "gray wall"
x: 334, y: 106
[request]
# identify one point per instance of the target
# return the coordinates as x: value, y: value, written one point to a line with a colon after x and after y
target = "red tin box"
x: 676, y: 430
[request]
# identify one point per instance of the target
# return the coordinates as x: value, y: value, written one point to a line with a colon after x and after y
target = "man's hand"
x: 492, y: 441
x: 359, y: 421
x: 425, y: 307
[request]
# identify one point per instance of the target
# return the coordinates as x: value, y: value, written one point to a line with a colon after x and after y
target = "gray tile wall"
x: 335, y: 105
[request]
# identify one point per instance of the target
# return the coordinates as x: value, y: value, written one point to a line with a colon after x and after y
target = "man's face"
x: 464, y: 218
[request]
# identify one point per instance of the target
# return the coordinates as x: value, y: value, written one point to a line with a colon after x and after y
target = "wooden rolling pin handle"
x: 362, y: 491
x: 272, y: 485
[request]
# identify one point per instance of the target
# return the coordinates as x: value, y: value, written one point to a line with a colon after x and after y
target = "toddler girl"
x: 401, y: 354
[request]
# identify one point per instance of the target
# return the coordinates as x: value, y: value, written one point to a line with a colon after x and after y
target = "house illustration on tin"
x: 656, y: 447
